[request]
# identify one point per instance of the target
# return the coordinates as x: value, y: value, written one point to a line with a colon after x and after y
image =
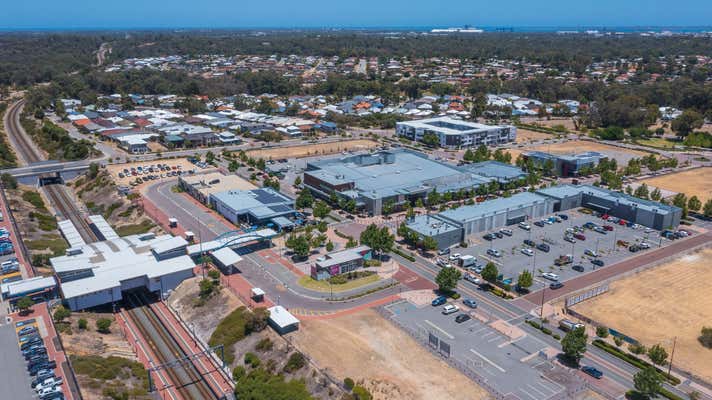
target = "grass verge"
x: 307, y: 282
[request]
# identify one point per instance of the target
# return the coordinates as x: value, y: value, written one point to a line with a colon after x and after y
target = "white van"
x: 450, y: 308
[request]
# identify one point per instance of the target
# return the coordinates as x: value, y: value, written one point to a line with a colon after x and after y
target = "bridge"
x: 38, y: 172
x: 232, y: 239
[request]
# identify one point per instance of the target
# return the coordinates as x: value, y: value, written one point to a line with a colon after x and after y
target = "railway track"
x: 57, y: 194
x: 188, y: 381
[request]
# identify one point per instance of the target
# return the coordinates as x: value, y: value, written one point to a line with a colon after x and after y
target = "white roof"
x: 226, y: 256
x: 28, y: 285
x: 258, y: 292
x: 71, y: 234
x: 104, y: 228
x: 281, y: 317
x: 232, y: 241
x: 170, y: 244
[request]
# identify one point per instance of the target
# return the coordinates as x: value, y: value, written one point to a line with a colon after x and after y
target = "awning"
x: 597, y: 206
x: 226, y: 256
x: 282, y: 222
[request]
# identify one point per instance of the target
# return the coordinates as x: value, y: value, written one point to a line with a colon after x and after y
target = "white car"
x: 454, y: 257
x: 450, y: 308
x: 591, y: 253
x: 550, y: 276
x: 506, y: 231
x: 525, y: 226
x: 527, y: 251
x: 494, y: 253
x: 45, y: 392
x: 473, y: 279
x: 644, y: 245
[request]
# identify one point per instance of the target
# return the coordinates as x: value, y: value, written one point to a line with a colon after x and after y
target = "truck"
x: 567, y: 325
x: 564, y: 259
x: 172, y: 222
x: 189, y: 236
x: 468, y: 261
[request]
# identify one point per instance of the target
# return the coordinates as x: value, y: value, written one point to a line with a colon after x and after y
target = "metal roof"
x: 226, y: 256
x: 281, y: 317
x: 495, y: 169
x: 170, y: 244
x: 491, y: 207
x: 231, y: 241
x: 28, y: 285
x: 70, y: 233
x: 449, y: 126
x: 261, y: 203
x: 103, y: 227
x: 562, y: 191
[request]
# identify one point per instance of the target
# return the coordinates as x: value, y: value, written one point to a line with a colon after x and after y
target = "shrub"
x: 238, y: 373
x: 82, y: 323
x: 252, y: 360
x: 637, y: 348
x: 102, y: 325
x: 264, y: 345
x: 705, y: 338
x: 618, y: 341
x: 295, y: 362
x: 360, y: 393
x: 61, y: 313
x: 602, y: 331
x: 348, y: 383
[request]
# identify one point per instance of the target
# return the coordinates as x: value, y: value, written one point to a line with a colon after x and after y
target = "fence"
x: 72, y: 379
x: 588, y: 294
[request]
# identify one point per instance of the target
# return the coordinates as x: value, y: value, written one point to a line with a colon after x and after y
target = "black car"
x: 592, y: 371
x: 462, y: 318
x: 36, y: 352
x: 529, y: 243
x: 34, y: 368
x: 556, y: 285
x: 499, y: 235
x: 488, y: 236
x: 540, y: 224
x: 32, y: 342
x: 563, y: 216
x: 578, y: 268
x: 634, y: 248
x: 543, y: 247
x: 597, y: 262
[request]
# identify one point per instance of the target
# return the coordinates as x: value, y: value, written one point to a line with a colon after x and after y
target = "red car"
x: 604, y: 216
x: 608, y: 227
x: 622, y: 222
x: 579, y: 236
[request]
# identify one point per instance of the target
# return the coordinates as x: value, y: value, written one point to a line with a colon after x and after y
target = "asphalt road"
x: 14, y: 380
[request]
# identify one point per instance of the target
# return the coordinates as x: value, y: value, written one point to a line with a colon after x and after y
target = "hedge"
x: 633, y: 360
x: 666, y: 393
x: 403, y: 254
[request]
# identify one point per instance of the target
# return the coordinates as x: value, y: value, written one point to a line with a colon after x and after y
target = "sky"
x: 87, y: 14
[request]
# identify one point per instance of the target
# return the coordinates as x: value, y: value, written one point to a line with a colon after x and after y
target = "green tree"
x: 648, y: 382
x: 490, y: 272
x: 705, y: 337
x: 433, y: 198
x: 321, y: 209
x: 525, y: 279
x: 574, y: 344
x: 260, y: 384
x: 361, y: 393
x: 379, y: 240
x: 642, y: 192
x: 707, y: 210
x: 297, y: 181
x: 82, y: 324
x: 24, y: 304
x: 687, y: 122
x: 299, y: 244
x: 61, y: 313
x: 694, y: 204
x: 429, y: 243
x: 304, y: 200
x: 8, y: 181
x: 447, y: 278
x: 658, y: 355
x: 329, y: 246
x: 656, y: 195
x: 431, y: 139
x: 103, y: 325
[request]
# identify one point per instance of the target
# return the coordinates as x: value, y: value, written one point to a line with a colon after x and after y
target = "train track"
x: 57, y: 194
x: 188, y: 380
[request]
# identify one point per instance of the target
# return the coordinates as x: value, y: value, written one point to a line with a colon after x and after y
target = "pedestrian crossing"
x: 309, y: 313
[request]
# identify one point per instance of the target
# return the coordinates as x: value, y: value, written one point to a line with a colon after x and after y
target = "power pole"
x: 541, y: 312
x: 672, y: 355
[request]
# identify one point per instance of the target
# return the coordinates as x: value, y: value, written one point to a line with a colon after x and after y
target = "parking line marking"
x: 494, y: 339
x: 440, y: 329
x: 490, y: 259
x: 527, y: 394
x: 536, y: 390
x: 488, y: 361
x: 546, y: 387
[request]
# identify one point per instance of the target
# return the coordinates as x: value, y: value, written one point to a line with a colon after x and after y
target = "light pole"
x: 672, y: 355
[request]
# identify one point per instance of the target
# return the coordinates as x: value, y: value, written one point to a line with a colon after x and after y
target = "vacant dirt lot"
x: 367, y: 348
x: 579, y: 146
x: 527, y: 136
x: 694, y: 182
x: 312, y: 149
x: 659, y: 304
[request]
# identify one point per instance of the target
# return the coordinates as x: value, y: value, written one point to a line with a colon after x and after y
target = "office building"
x: 455, y: 133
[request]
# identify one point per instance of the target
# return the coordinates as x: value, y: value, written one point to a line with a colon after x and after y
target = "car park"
x: 438, y: 301
x: 592, y: 372
x: 450, y: 308
x: 550, y: 276
x: 470, y: 303
x: 462, y: 318
x: 556, y: 285
x: 527, y: 251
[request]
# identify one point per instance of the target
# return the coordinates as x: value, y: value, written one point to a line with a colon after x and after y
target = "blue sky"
x: 27, y: 14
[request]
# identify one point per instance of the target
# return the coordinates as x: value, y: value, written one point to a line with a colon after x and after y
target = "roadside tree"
x: 525, y: 280
x: 490, y: 272
x: 647, y: 382
x: 574, y: 344
x: 447, y: 279
x: 658, y: 355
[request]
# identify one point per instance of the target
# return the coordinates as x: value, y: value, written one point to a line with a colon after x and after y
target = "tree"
x: 694, y: 204
x: 431, y: 139
x: 687, y: 122
x: 103, y: 325
x: 574, y: 344
x: 207, y: 287
x: 305, y: 199
x: 705, y: 337
x: 602, y: 331
x: 329, y: 246
x: 321, y: 209
x: 299, y: 244
x: 447, y: 279
x: 647, y: 382
x: 658, y: 355
x: 641, y: 192
x: 379, y: 240
x: 490, y: 272
x: 61, y: 313
x: 433, y: 198
x: 525, y: 279
x: 24, y: 304
x: 429, y: 243
x: 707, y: 210
x: 297, y: 181
x: 8, y: 181
x: 656, y: 195
x: 82, y: 324
x: 260, y: 384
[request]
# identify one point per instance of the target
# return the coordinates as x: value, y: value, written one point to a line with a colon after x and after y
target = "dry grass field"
x: 367, y: 348
x: 312, y: 149
x: 578, y: 146
x: 661, y: 303
x: 694, y: 182
x: 527, y: 136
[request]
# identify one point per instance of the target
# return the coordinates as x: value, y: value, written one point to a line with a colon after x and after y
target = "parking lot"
x: 608, y: 245
x: 502, y: 356
x: 15, y: 382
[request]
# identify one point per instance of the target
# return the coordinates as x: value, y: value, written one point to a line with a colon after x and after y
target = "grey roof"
x: 104, y: 228
x: 586, y: 157
x: 495, y: 169
x: 389, y: 173
x: 431, y: 225
x: 343, y: 256
x: 468, y: 213
x: 261, y: 203
x: 449, y: 126
x: 609, y: 195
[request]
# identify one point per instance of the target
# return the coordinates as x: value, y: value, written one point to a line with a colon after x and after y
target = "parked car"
x: 543, y: 247
x: 488, y: 237
x: 608, y: 227
x: 41, y: 377
x: 443, y: 252
x: 529, y: 243
x: 597, y: 262
x: 49, y: 391
x: 494, y: 253
x: 438, y: 301
x: 591, y: 253
x: 563, y: 216
x: 550, y: 276
x: 644, y: 245
x: 556, y: 285
x: 473, y: 279
x: 579, y: 236
x: 450, y: 308
x: 498, y: 235
x: 506, y: 231
x: 539, y: 224
x: 470, y: 303
x: 462, y: 318
x: 454, y: 257
x: 578, y: 268
x: 569, y: 239
x: 27, y: 330
x: 600, y: 230
x: 525, y: 226
x: 634, y: 248
x: 592, y: 371
x: 527, y: 251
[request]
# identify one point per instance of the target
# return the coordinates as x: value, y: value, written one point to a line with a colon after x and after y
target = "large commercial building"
x: 644, y: 212
x: 201, y: 186
x: 258, y: 207
x: 395, y: 177
x: 98, y: 273
x: 455, y: 133
x: 565, y: 165
x: 451, y: 227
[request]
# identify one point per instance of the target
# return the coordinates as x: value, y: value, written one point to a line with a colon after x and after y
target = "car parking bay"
x: 605, y: 244
x: 14, y: 380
